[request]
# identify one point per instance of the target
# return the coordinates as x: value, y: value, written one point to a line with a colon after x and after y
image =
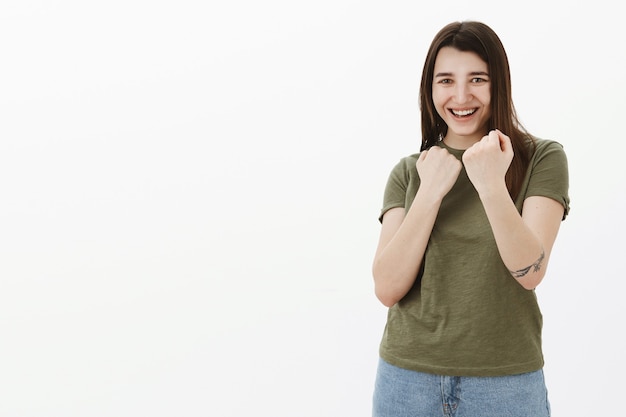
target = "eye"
x: 478, y: 80
x: 444, y: 81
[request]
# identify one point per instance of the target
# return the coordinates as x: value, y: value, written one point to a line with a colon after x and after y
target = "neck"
x: 460, y: 142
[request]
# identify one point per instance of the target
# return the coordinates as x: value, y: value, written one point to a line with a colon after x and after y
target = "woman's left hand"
x: 487, y: 161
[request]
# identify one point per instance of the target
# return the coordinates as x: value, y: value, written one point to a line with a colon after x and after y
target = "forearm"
x: 398, y: 262
x: 521, y: 250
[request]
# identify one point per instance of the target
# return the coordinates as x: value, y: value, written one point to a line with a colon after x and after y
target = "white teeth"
x: 463, y: 112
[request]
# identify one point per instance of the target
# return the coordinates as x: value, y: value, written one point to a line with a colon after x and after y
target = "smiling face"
x: 462, y: 96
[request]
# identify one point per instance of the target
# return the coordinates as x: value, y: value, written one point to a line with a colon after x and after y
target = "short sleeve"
x: 549, y: 175
x: 397, y: 186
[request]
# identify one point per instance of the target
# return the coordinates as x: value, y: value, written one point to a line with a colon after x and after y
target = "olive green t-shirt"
x: 466, y: 315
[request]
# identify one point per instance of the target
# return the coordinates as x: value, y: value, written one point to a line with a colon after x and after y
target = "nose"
x: 462, y: 93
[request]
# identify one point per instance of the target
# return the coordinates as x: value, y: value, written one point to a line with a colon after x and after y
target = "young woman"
x: 468, y: 225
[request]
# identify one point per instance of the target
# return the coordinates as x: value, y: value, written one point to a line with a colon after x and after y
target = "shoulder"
x: 542, y: 146
x: 409, y: 159
x: 547, y: 149
x: 406, y: 164
x: 403, y: 174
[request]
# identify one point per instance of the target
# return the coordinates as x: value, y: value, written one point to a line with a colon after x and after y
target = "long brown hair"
x: 479, y: 38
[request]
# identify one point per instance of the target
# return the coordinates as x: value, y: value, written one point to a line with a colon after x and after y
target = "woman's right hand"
x: 438, y: 170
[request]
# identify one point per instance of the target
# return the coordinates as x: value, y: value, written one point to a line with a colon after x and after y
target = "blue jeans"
x: 403, y: 393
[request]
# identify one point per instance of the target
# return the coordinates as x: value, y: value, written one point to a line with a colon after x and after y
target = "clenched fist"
x: 487, y: 161
x: 438, y: 170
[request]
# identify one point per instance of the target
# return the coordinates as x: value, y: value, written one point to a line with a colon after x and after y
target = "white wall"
x: 189, y: 194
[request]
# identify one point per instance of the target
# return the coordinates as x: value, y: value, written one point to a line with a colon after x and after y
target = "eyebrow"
x: 449, y: 74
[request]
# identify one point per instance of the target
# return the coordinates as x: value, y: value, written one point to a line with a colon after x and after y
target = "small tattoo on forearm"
x: 535, y: 267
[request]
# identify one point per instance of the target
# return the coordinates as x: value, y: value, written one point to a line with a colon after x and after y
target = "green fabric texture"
x: 466, y: 315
